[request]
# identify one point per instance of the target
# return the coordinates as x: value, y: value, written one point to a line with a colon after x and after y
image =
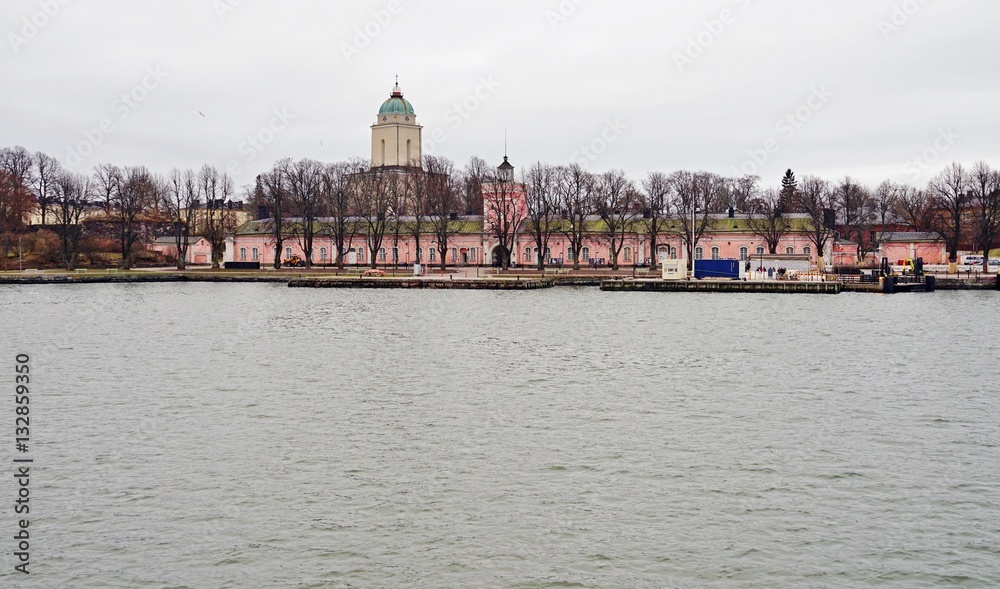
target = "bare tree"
x: 71, y: 193
x: 695, y: 196
x: 575, y: 190
x: 504, y: 211
x: 949, y: 193
x: 915, y: 209
x: 372, y: 192
x: 616, y: 199
x: 857, y: 214
x: 443, y: 200
x: 181, y: 203
x: 107, y: 178
x: 654, y: 200
x: 305, y: 189
x: 47, y: 172
x: 218, y: 188
x: 542, y: 199
x: 338, y: 203
x: 273, y: 194
x: 19, y: 165
x: 742, y: 191
x: 136, y: 191
x: 885, y: 205
x: 767, y: 218
x: 985, y: 208
x: 15, y: 205
x: 414, y: 189
x: 476, y: 173
x: 816, y: 200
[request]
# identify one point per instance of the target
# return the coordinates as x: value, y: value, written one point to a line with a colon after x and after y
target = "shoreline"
x: 451, y: 282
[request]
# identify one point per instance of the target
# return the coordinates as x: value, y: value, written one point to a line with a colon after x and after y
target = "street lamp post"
x: 694, y: 211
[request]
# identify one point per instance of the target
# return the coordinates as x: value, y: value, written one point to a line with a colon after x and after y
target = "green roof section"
x: 396, y: 105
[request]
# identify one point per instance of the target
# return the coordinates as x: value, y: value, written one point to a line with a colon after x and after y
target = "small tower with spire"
x: 505, y: 171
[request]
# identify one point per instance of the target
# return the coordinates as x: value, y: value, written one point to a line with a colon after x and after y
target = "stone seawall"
x: 420, y: 283
x: 135, y: 278
x: 721, y: 286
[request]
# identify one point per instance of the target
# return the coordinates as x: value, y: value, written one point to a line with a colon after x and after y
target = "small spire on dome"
x: 397, y: 92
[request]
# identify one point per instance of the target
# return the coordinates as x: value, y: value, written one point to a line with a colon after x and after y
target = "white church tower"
x: 396, y: 136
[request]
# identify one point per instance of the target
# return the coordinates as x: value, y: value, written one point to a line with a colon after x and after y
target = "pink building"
x: 397, y: 147
x: 472, y: 244
x: 199, y: 249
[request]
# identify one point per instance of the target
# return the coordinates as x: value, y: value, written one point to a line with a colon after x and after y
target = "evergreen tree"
x: 789, y: 188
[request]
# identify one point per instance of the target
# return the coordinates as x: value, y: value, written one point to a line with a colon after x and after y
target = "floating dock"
x: 730, y: 286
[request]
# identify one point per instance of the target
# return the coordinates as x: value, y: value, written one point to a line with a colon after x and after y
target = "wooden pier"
x: 728, y: 286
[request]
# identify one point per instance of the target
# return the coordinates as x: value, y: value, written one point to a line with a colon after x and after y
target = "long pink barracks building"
x: 397, y: 142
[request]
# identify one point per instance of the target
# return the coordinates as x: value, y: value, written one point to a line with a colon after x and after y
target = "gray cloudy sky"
x: 875, y: 89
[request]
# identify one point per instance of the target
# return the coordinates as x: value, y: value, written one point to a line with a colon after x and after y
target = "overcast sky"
x: 875, y: 89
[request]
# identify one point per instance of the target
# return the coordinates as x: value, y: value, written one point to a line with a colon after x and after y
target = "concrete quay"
x: 421, y: 283
x: 722, y: 286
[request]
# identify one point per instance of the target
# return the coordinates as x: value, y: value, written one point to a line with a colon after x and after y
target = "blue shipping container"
x: 720, y: 269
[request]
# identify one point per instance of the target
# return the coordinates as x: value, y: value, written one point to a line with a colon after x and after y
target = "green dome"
x: 396, y: 105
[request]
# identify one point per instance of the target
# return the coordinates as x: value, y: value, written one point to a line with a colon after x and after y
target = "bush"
x: 43, y: 248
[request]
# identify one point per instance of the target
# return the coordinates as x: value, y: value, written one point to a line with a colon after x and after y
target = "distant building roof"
x: 170, y: 240
x: 910, y: 236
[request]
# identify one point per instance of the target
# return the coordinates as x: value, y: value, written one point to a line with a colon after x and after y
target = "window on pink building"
x: 715, y: 253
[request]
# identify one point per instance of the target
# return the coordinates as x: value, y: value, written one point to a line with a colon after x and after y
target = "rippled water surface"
x: 260, y: 436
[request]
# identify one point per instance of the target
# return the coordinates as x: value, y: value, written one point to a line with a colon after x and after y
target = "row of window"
x: 529, y: 255
x: 359, y: 254
x: 699, y: 252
